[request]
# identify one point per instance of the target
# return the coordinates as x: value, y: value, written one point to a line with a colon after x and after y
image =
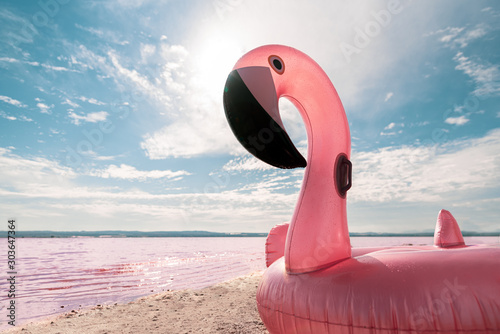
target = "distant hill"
x: 423, y: 234
x: 202, y: 234
x: 128, y: 234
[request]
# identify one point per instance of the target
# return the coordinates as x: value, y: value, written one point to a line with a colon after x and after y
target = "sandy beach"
x: 228, y: 307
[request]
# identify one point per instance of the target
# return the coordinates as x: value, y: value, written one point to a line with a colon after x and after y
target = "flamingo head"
x: 251, y: 107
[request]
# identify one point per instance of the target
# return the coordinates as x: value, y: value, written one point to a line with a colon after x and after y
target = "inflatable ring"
x: 315, y: 282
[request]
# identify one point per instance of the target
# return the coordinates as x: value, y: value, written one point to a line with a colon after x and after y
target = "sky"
x: 111, y: 112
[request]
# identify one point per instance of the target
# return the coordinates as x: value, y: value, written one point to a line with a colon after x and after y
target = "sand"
x: 227, y: 307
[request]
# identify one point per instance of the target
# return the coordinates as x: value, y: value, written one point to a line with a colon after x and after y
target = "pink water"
x: 60, y: 275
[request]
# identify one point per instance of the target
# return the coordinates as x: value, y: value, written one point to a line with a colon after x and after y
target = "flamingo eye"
x: 277, y: 64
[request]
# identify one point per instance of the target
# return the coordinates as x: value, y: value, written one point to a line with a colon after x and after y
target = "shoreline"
x: 227, y: 307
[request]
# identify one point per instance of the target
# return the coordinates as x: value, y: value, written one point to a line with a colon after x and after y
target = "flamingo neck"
x: 318, y: 236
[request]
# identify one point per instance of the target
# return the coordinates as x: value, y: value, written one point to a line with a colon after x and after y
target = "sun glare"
x: 215, y: 59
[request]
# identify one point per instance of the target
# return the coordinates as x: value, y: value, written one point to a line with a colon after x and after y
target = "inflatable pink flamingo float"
x: 315, y: 282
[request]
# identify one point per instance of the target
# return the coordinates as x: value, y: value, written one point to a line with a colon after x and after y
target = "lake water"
x: 60, y: 275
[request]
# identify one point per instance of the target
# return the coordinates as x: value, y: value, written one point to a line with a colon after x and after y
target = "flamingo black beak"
x: 251, y: 107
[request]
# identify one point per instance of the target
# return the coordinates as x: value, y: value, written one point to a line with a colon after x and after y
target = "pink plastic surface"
x: 319, y: 285
x: 447, y: 233
x: 275, y: 243
x: 319, y: 207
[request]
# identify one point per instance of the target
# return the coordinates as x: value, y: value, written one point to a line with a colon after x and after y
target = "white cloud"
x: 246, y: 163
x: 12, y: 101
x: 147, y: 50
x: 54, y: 68
x: 96, y: 32
x: 72, y: 61
x: 90, y: 60
x: 37, y: 64
x: 474, y: 34
x: 128, y: 3
x: 449, y: 33
x: 424, y: 123
x: 162, y: 79
x: 25, y: 119
x: 199, y: 133
x: 4, y: 115
x: 274, y: 183
x: 70, y: 103
x: 294, y: 125
x: 141, y: 81
x: 9, y: 60
x: 194, y: 136
x: 22, y: 118
x: 427, y: 173
x: 21, y: 172
x: 388, y: 96
x: 193, y: 128
x: 498, y: 114
x: 91, y: 101
x: 460, y: 120
x: 104, y: 157
x: 92, y: 117
x: 486, y: 77
x: 16, y: 29
x: 461, y: 37
x: 390, y: 126
x: 470, y: 36
x: 449, y: 173
x: 44, y: 109
x: 109, y: 36
x: 46, y: 192
x: 393, y: 133
x: 196, y: 124
x: 131, y: 173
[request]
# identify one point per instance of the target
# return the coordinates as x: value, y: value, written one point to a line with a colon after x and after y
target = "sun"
x: 214, y: 60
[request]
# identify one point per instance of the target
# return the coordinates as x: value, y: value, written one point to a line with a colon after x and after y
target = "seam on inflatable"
x: 292, y: 305
x: 323, y: 267
x: 381, y: 328
x: 455, y: 316
x: 480, y: 308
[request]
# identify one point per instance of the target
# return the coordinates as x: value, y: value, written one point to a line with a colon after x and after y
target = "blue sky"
x: 111, y: 112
